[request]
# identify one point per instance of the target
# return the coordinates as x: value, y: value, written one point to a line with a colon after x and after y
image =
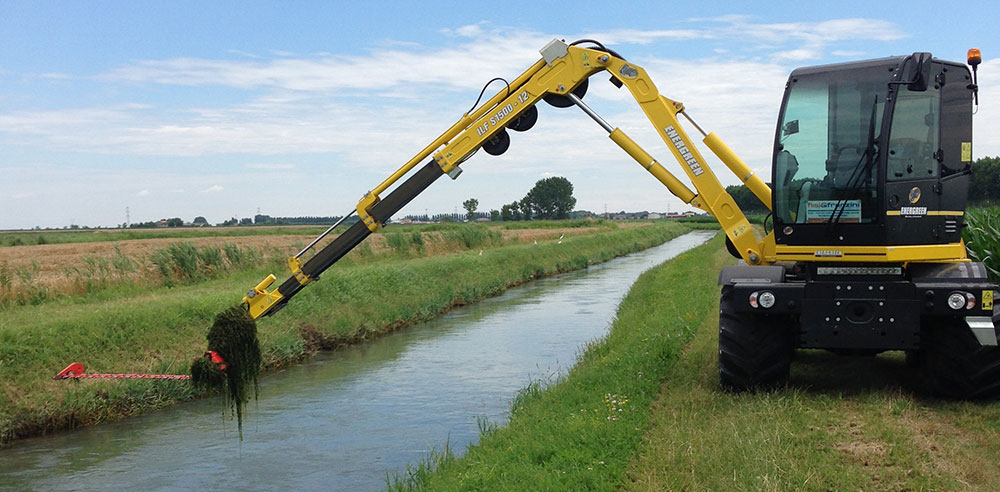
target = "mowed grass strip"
x: 844, y: 423
x: 160, y: 331
x: 581, y: 432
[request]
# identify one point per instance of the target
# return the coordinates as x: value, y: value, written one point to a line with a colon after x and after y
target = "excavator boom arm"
x: 560, y: 72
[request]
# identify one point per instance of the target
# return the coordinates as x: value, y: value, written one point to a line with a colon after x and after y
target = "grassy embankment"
x: 641, y: 410
x: 160, y: 330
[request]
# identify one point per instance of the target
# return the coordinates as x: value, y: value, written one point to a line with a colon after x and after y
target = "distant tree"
x: 985, y: 183
x: 230, y: 222
x: 746, y: 200
x: 505, y: 213
x: 445, y: 219
x: 526, y: 210
x: 494, y: 215
x: 199, y: 221
x: 515, y: 209
x: 246, y: 221
x: 550, y: 198
x: 175, y: 222
x: 470, y: 207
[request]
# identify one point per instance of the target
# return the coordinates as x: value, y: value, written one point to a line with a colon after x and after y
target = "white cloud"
x: 143, y: 193
x: 282, y: 107
x: 985, y: 141
x: 800, y: 54
x: 271, y: 166
x: 325, y: 103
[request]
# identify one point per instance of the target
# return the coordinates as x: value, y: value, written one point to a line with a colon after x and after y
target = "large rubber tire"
x: 954, y: 363
x: 755, y: 351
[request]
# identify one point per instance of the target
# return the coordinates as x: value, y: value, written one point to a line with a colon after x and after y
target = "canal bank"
x: 345, y: 420
x: 160, y: 332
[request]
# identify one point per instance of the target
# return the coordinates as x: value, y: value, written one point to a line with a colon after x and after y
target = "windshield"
x: 825, y: 163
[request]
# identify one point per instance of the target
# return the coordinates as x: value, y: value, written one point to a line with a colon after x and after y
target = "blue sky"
x: 297, y: 108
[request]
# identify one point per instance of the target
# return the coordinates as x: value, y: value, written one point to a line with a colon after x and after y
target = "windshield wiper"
x: 862, y: 168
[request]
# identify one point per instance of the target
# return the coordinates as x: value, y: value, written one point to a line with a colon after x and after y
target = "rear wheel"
x: 755, y: 351
x: 954, y: 363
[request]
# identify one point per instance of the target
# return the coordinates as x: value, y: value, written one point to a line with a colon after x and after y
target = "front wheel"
x: 755, y: 351
x: 955, y: 364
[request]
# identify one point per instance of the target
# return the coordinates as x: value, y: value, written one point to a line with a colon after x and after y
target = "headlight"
x: 761, y: 299
x: 957, y: 300
x: 766, y: 299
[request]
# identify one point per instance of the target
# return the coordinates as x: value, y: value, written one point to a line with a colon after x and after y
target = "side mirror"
x: 920, y: 75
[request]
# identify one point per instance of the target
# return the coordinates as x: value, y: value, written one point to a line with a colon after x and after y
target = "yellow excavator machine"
x: 870, y: 174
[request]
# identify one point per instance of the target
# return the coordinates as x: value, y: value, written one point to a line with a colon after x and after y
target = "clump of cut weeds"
x: 234, y: 337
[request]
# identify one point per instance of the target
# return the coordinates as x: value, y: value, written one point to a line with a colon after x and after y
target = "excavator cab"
x: 873, y: 153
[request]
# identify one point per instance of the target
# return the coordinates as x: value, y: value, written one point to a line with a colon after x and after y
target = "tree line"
x: 984, y: 187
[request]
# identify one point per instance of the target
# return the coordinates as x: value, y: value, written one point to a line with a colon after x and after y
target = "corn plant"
x: 982, y: 238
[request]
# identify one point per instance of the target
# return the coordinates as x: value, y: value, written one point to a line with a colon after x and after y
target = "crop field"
x: 70, y: 267
x: 983, y: 238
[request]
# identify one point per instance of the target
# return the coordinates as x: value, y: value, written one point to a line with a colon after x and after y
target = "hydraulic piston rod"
x: 641, y: 156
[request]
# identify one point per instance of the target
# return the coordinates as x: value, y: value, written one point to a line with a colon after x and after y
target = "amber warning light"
x: 975, y: 58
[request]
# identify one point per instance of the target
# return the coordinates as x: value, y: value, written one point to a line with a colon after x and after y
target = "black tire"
x: 955, y: 365
x: 755, y: 351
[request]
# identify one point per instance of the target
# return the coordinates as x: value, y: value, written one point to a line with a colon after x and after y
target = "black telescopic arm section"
x: 353, y: 236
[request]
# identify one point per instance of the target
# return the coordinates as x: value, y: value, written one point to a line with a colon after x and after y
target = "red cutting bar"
x: 75, y: 371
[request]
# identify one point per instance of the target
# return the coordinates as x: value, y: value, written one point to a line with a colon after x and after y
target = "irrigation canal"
x: 347, y: 419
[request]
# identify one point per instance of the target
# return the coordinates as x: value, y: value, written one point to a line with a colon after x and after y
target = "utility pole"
x: 128, y: 219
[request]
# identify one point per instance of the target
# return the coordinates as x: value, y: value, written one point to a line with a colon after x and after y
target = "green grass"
x: 182, y: 262
x: 581, y: 432
x: 161, y: 330
x: 557, y: 224
x: 29, y: 238
x: 842, y: 424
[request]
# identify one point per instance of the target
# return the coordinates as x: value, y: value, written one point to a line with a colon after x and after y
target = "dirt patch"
x: 953, y: 450
x: 868, y: 453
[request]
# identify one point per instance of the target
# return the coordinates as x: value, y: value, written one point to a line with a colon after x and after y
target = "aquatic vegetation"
x: 234, y: 337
